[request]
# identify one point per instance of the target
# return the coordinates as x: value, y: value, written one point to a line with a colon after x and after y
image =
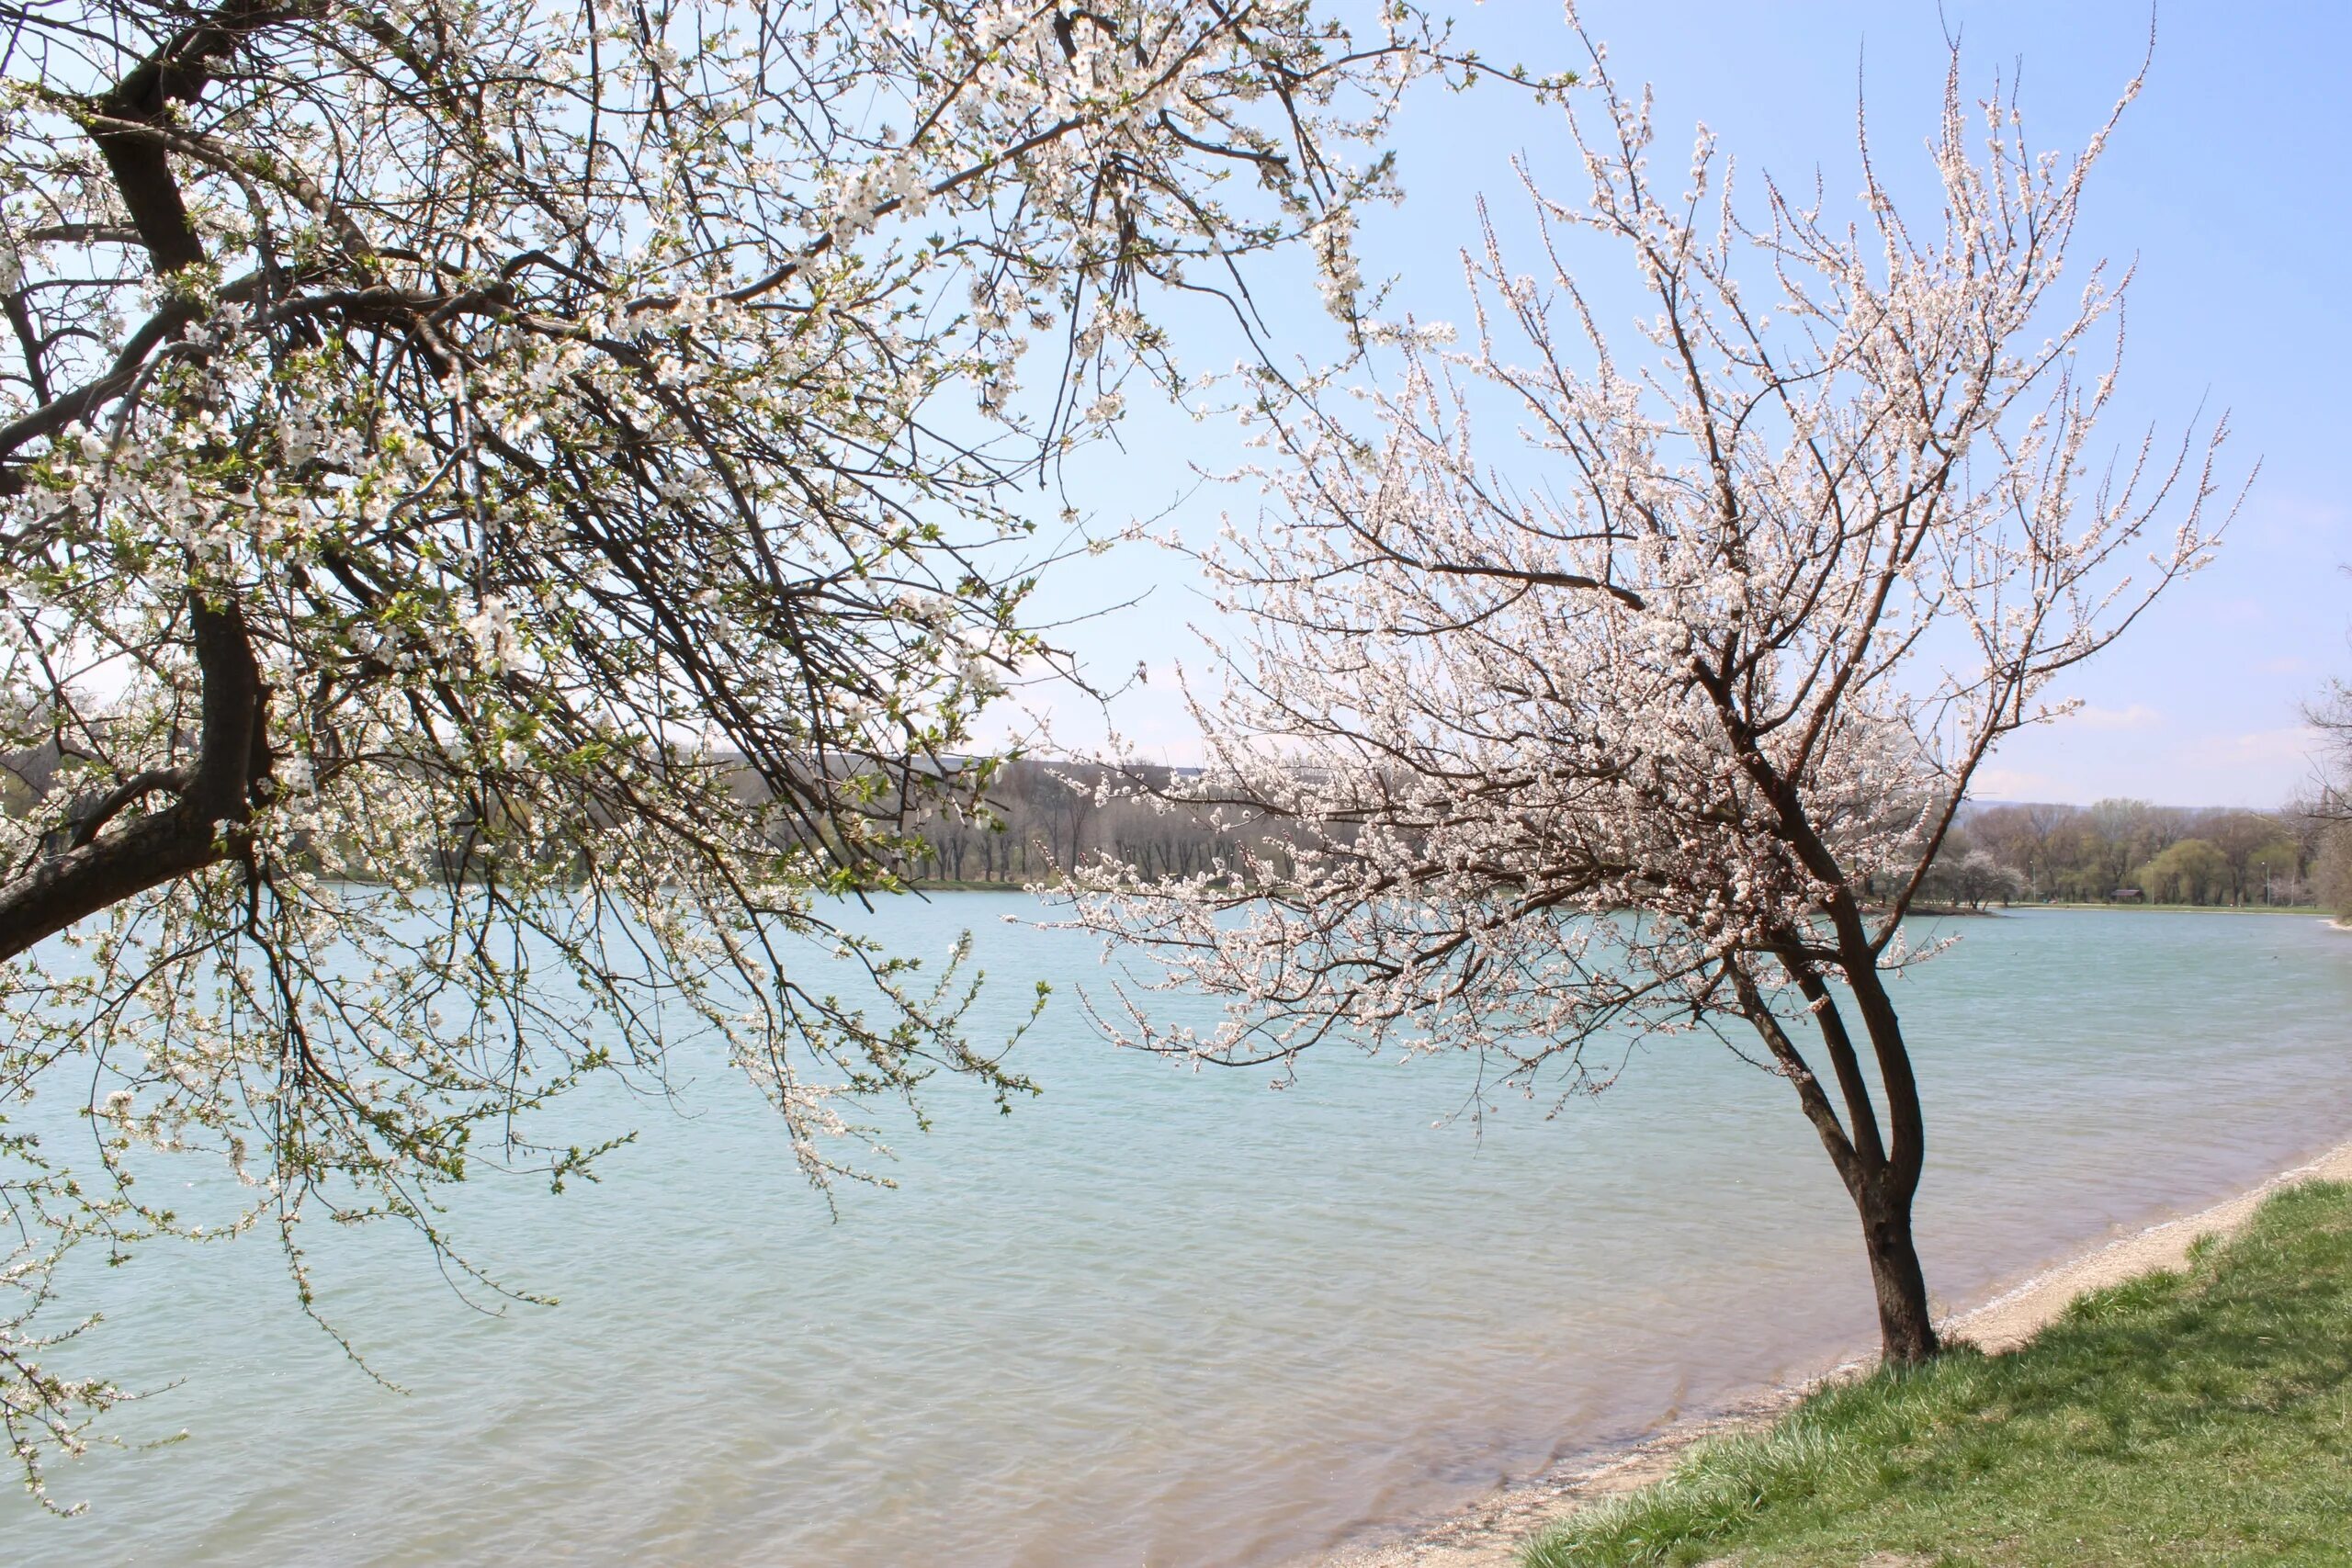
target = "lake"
x: 1164, y: 1318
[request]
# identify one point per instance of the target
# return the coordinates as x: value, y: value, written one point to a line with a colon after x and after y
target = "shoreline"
x: 1487, y: 1532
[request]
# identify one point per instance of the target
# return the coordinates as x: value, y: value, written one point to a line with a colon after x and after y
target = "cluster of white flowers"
x: 487, y: 559
x: 491, y: 629
x: 1337, y: 274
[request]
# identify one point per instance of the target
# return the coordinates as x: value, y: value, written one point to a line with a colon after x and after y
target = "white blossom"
x: 497, y: 535
x: 1646, y: 716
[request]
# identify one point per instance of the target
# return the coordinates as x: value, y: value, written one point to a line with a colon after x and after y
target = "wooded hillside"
x: 1043, y: 815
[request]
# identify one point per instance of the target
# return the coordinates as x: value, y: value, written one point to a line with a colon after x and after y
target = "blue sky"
x: 2228, y: 184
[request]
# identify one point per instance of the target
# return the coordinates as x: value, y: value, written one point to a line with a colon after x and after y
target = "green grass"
x: 2203, y: 1416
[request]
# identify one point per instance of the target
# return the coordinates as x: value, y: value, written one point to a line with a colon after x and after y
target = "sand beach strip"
x: 1489, y: 1532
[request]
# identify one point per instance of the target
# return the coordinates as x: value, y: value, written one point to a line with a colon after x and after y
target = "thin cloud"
x: 2010, y: 783
x: 2139, y: 716
x: 2294, y: 743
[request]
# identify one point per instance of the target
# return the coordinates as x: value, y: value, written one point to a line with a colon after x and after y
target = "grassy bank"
x: 2203, y: 1416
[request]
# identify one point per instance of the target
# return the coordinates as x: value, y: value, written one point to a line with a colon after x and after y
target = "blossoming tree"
x: 1655, y: 724
x: 504, y: 501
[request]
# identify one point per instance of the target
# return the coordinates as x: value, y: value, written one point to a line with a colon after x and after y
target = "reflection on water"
x: 1170, y: 1318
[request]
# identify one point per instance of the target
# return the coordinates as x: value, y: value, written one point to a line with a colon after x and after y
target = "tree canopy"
x: 504, y: 503
x: 1650, y: 714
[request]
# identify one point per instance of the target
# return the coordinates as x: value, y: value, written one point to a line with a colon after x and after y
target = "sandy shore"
x: 1486, y: 1534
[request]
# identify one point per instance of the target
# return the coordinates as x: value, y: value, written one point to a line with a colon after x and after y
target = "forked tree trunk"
x: 1880, y: 1174
x: 1906, y: 1329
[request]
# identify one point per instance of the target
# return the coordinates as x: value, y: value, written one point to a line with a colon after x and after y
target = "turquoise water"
x: 1162, y: 1317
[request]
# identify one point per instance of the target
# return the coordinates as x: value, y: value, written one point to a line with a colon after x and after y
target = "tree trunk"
x: 1880, y: 1181
x: 108, y: 862
x: 1906, y: 1329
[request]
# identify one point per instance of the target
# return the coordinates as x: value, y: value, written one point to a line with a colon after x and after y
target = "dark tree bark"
x: 1907, y: 1327
x: 1881, y: 1170
x: 105, y: 862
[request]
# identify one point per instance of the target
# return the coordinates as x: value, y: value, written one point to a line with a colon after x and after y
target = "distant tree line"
x: 2330, y: 809
x: 1039, y: 817
x: 2128, y: 850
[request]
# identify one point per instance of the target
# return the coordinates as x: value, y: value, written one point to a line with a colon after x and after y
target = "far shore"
x: 1490, y: 1532
x: 2312, y: 911
x: 1922, y: 912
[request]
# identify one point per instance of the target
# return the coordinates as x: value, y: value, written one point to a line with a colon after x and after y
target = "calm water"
x: 1166, y: 1318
